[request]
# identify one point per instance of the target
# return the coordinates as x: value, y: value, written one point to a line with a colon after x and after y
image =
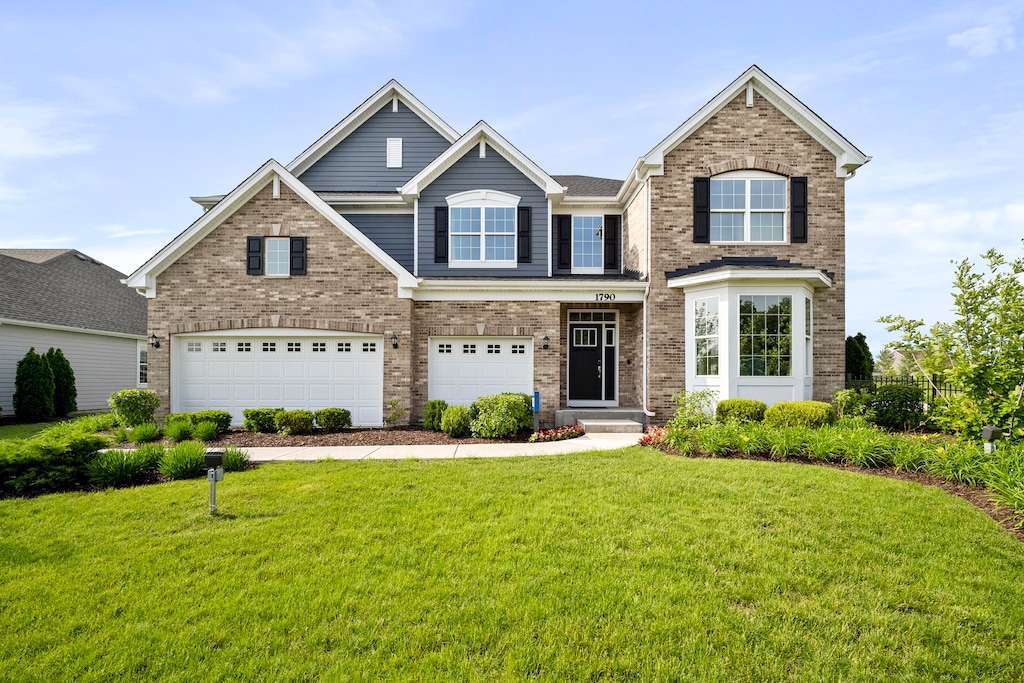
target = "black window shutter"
x: 440, y: 234
x: 253, y: 255
x: 612, y: 234
x: 798, y: 209
x: 525, y: 225
x: 702, y: 209
x: 298, y: 256
x: 564, y: 228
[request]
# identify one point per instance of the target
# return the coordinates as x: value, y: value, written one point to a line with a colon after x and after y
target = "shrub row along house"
x: 395, y: 259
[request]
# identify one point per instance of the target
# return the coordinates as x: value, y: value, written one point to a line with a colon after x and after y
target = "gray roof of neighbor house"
x: 67, y: 288
x: 588, y: 186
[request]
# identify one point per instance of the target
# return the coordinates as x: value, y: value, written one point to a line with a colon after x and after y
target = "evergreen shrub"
x: 33, y: 388
x: 294, y: 421
x: 740, y: 410
x: 455, y: 421
x: 432, y: 413
x: 65, y: 395
x: 261, y: 419
x: 134, y: 406
x: 800, y: 414
x: 333, y: 419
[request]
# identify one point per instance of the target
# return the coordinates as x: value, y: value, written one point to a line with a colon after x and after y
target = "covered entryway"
x: 290, y: 369
x: 592, y: 358
x: 461, y: 369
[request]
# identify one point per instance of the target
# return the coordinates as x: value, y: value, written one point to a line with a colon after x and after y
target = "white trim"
x: 814, y: 278
x: 375, y: 210
x: 248, y: 333
x: 277, y: 186
x: 392, y: 91
x: 416, y: 237
x: 66, y: 328
x: 567, y: 291
x: 548, y: 249
x: 586, y: 270
x: 593, y: 403
x: 491, y: 198
x: 746, y: 176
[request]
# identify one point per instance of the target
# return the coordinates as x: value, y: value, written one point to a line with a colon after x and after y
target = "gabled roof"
x: 588, y: 186
x: 848, y: 157
x: 481, y: 132
x: 144, y: 279
x: 65, y: 288
x: 393, y: 89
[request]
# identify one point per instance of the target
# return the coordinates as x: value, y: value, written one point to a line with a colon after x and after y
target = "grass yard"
x: 22, y: 431
x: 618, y: 565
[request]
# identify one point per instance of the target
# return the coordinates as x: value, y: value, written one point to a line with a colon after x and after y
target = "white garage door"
x: 270, y: 370
x: 461, y: 369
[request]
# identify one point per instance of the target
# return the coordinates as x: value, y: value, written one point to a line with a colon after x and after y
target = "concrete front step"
x: 611, y: 427
x: 571, y: 416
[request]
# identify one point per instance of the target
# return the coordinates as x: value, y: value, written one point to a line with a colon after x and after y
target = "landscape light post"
x: 215, y: 473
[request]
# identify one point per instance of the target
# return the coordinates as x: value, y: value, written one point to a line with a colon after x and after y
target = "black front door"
x: 585, y: 355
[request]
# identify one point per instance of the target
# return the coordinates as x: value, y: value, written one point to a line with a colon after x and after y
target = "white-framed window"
x: 369, y: 347
x: 766, y: 335
x: 469, y: 348
x: 294, y: 347
x: 444, y: 348
x: 319, y: 347
x: 219, y: 347
x: 344, y: 347
x: 143, y: 364
x: 494, y: 349
x: 588, y: 244
x: 269, y: 347
x: 194, y: 347
x: 808, y: 341
x: 394, y: 155
x: 748, y: 206
x: 705, y: 334
x: 482, y: 229
x: 518, y: 349
x: 244, y: 347
x: 278, y: 252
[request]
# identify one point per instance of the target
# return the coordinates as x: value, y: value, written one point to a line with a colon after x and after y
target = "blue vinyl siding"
x: 390, y: 232
x: 491, y: 173
x: 359, y: 162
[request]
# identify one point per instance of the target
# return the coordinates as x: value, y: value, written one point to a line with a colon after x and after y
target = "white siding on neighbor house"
x: 102, y: 364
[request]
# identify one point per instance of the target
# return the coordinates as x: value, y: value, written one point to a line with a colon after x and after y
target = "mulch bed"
x: 397, y: 436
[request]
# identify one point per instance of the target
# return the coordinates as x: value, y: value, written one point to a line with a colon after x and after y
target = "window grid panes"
x: 748, y: 209
x: 244, y: 347
x: 369, y: 347
x: 584, y: 337
x: 269, y: 347
x: 765, y: 334
x: 143, y: 366
x: 705, y: 334
x: 494, y: 349
x: 219, y: 347
x: 500, y: 233
x: 518, y: 349
x: 469, y: 348
x: 808, y: 343
x: 319, y: 347
x: 344, y: 347
x: 194, y: 347
x: 591, y: 316
x: 444, y: 348
x: 277, y: 256
x: 294, y: 347
x: 587, y: 247
x: 487, y: 234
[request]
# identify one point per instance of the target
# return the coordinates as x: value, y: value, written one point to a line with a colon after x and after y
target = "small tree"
x: 65, y: 395
x: 859, y: 363
x: 33, y: 387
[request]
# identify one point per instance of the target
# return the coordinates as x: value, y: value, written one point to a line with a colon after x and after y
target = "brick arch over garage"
x: 277, y: 321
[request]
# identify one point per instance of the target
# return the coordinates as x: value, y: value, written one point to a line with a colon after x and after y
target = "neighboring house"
x: 63, y: 299
x: 397, y: 259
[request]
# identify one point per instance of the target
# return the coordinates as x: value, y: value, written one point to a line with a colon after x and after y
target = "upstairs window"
x: 275, y: 256
x: 482, y: 230
x: 748, y: 206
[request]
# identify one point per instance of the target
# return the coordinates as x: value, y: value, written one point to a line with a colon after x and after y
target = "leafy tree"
x: 33, y: 387
x: 65, y: 395
x: 885, y: 364
x: 983, y: 346
x: 859, y: 363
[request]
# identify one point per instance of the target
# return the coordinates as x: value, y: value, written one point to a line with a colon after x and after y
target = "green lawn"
x: 621, y: 565
x: 22, y: 431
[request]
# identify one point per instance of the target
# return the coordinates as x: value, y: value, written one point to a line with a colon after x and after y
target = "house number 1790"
x: 604, y: 297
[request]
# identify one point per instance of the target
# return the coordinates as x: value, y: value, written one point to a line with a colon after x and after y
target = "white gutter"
x: 647, y: 292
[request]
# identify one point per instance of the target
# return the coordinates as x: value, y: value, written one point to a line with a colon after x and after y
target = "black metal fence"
x: 933, y: 387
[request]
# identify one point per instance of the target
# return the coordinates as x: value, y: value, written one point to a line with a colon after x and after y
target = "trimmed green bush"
x: 48, y: 462
x: 116, y: 467
x: 220, y: 418
x: 432, y: 413
x: 740, y: 410
x: 501, y: 415
x: 261, y: 419
x: 33, y: 387
x: 235, y: 459
x: 800, y: 414
x: 898, y: 406
x: 187, y: 460
x: 144, y: 433
x: 206, y: 430
x: 178, y: 431
x: 333, y: 419
x: 853, y: 403
x: 134, y: 406
x: 65, y: 395
x: 455, y: 421
x: 294, y: 421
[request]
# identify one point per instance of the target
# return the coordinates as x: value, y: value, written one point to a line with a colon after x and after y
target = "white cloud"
x: 39, y: 130
x: 995, y: 33
x: 120, y: 231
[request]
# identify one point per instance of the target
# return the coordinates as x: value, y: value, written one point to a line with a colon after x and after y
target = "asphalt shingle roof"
x: 588, y: 186
x: 65, y: 287
x: 740, y: 262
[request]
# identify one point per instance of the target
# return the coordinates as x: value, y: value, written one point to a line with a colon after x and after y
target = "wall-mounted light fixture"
x: 154, y: 342
x: 545, y: 340
x: 394, y: 341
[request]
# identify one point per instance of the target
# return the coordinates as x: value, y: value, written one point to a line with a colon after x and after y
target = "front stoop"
x: 611, y: 426
x: 571, y: 416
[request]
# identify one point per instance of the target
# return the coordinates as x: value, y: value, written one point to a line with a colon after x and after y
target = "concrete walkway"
x: 587, y: 442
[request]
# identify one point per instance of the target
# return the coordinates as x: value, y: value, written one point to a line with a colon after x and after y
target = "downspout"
x: 647, y: 292
x: 416, y: 237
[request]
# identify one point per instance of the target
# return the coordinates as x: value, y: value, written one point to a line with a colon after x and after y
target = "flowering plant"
x: 557, y: 434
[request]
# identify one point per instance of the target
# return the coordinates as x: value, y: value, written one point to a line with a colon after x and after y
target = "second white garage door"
x: 267, y: 369
x: 461, y: 369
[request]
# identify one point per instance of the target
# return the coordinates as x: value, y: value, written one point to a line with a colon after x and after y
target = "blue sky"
x: 112, y: 114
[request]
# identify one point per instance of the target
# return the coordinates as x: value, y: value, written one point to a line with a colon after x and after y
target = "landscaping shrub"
x: 206, y: 430
x: 693, y: 408
x: 432, y: 413
x: 220, y: 418
x: 178, y: 431
x: 333, y: 419
x: 97, y: 422
x: 261, y: 419
x: 898, y: 406
x: 740, y: 410
x: 116, y: 467
x: 187, y: 460
x: 395, y: 413
x: 47, y: 462
x: 501, y: 415
x: 235, y: 459
x: 800, y: 414
x: 294, y: 421
x: 455, y: 421
x: 853, y: 403
x: 65, y: 395
x: 33, y: 388
x: 119, y: 435
x: 150, y: 454
x: 144, y: 433
x: 134, y: 406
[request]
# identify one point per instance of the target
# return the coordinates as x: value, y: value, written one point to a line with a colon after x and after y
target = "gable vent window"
x: 394, y: 152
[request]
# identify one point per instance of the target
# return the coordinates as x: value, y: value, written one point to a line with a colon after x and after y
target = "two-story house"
x: 395, y: 259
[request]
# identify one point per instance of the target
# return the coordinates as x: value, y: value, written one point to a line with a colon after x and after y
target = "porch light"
x: 394, y: 341
x: 545, y: 340
x: 154, y: 342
